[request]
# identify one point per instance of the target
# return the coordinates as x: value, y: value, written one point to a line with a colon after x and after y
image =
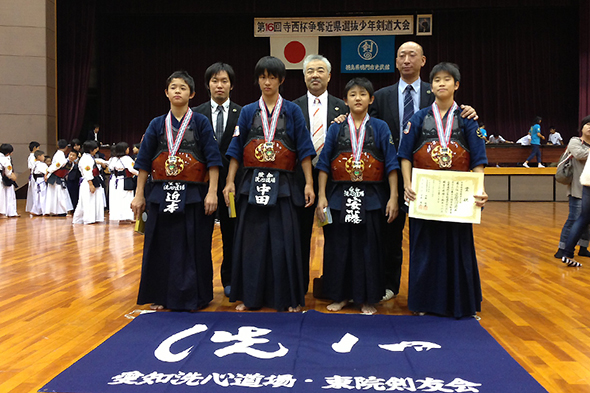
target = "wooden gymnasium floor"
x: 65, y: 289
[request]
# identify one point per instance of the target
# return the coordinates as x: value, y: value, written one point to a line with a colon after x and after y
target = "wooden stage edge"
x: 65, y: 289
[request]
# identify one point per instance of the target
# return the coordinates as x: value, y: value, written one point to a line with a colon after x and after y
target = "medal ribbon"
x: 444, y: 134
x: 357, y: 140
x: 174, y: 144
x: 269, y: 130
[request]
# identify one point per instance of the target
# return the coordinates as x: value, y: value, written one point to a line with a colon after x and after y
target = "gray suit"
x: 336, y: 107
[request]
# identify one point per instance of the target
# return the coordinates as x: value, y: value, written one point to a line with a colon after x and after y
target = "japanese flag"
x: 292, y: 50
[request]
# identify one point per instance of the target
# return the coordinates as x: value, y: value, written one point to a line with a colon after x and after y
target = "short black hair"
x: 121, y: 149
x: 89, y: 146
x: 75, y: 142
x: 181, y: 74
x: 62, y: 144
x: 215, y: 69
x: 39, y: 153
x: 6, y: 148
x: 584, y: 121
x: 363, y: 83
x: 272, y: 65
x: 33, y: 145
x: 451, y: 68
x: 537, y: 119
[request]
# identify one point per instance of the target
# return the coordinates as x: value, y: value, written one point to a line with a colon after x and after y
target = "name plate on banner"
x: 335, y: 26
x: 368, y: 54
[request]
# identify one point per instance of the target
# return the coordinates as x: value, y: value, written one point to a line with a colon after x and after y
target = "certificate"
x: 446, y: 195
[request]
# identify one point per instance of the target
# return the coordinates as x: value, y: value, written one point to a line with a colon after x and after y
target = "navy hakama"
x: 443, y: 277
x: 177, y: 270
x: 267, y: 268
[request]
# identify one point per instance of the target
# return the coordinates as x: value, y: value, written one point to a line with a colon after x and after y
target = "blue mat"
x: 285, y: 352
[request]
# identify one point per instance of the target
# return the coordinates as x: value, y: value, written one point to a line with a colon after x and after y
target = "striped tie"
x: 408, y: 106
x: 318, y: 135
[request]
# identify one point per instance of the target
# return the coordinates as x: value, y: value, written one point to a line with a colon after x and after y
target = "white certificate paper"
x: 443, y: 195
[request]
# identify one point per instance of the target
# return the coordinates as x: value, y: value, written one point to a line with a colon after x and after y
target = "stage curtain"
x: 75, y: 35
x: 516, y: 63
x: 584, y: 60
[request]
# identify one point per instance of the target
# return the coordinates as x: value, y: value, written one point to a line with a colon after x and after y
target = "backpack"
x: 565, y: 168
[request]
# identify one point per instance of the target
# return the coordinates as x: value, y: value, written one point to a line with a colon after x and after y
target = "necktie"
x: 318, y: 134
x: 408, y: 106
x: 219, y: 124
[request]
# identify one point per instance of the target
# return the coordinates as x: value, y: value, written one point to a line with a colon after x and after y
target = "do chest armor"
x: 279, y: 154
x: 371, y: 165
x: 193, y: 163
x: 429, y: 154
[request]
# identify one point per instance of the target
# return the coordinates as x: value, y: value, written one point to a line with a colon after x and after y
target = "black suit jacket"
x: 336, y: 107
x: 90, y: 136
x: 232, y: 121
x: 386, y: 106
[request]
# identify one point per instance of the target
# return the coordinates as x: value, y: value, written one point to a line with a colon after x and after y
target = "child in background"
x: 73, y: 177
x: 33, y: 147
x: 122, y: 185
x: 8, y: 184
x: 92, y: 200
x: 57, y: 201
x: 39, y: 188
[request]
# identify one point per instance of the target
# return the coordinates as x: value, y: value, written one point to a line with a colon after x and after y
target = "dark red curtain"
x: 584, y: 60
x: 516, y: 61
x: 75, y: 35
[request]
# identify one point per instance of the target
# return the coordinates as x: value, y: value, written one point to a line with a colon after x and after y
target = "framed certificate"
x: 446, y: 195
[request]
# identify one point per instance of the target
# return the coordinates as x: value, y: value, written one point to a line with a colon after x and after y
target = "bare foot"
x: 337, y: 306
x: 368, y: 309
x: 157, y: 307
x: 296, y: 309
x: 241, y: 307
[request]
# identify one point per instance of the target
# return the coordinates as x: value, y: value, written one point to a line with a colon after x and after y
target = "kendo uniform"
x: 177, y: 269
x: 267, y: 264
x: 57, y: 199
x: 353, y: 265
x: 31, y: 186
x: 444, y: 277
x: 39, y: 188
x: 7, y: 188
x: 121, y: 188
x: 90, y: 208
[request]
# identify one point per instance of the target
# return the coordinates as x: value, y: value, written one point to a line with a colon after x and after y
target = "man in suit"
x: 223, y: 115
x: 95, y: 135
x: 319, y: 109
x: 395, y: 105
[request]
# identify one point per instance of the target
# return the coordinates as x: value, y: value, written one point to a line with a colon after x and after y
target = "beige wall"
x: 27, y: 78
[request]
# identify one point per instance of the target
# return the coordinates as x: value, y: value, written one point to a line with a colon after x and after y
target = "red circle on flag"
x: 294, y: 52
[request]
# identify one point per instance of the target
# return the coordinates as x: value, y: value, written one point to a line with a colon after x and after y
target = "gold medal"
x: 443, y: 156
x: 265, y: 152
x: 174, y: 165
x: 355, y: 169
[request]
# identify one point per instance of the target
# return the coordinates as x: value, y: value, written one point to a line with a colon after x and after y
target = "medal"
x: 174, y: 164
x: 265, y: 152
x: 442, y: 154
x: 355, y: 169
x: 355, y: 165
